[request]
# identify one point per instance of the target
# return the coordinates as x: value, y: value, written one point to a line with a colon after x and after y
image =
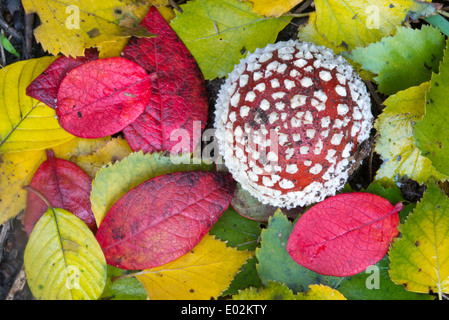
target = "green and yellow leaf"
x: 223, y: 32
x: 63, y: 260
x: 351, y: 24
x: 420, y: 257
x: 81, y: 24
x: 395, y: 143
x: 430, y: 131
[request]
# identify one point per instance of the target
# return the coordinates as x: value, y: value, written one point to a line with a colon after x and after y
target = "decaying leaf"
x: 201, y: 274
x: 85, y: 24
x: 163, y: 218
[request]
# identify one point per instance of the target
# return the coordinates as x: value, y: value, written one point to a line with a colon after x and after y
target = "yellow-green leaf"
x: 68, y: 27
x: 63, y: 260
x: 350, y: 24
x: 113, y: 181
x: 203, y: 273
x: 420, y: 257
x: 114, y: 150
x: 274, y: 8
x: 272, y: 291
x: 320, y: 292
x: 25, y: 123
x: 395, y: 143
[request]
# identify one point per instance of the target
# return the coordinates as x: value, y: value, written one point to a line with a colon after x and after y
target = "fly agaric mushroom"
x: 289, y: 119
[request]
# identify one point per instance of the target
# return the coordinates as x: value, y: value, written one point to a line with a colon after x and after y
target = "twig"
x: 10, y: 30
x: 3, y: 235
x: 29, y: 21
x: 296, y: 15
x: 18, y: 285
x: 175, y: 5
x: 304, y: 6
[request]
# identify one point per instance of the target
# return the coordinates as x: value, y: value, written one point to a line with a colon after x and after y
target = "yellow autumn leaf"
x: 201, y: 274
x: 320, y: 292
x: 25, y: 123
x: 274, y: 8
x: 17, y: 169
x: 70, y: 26
x: 344, y: 25
x: 114, y: 150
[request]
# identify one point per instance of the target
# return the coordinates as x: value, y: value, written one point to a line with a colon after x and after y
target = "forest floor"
x: 18, y: 27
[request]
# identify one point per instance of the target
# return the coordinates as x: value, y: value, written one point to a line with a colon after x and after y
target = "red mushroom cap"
x: 289, y: 119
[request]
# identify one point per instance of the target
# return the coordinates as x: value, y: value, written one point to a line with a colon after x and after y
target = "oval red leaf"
x: 179, y: 102
x: 64, y: 185
x: 163, y: 218
x: 45, y: 87
x: 101, y: 97
x: 344, y: 234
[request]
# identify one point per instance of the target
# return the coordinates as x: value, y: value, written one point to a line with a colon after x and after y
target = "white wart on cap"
x: 289, y: 119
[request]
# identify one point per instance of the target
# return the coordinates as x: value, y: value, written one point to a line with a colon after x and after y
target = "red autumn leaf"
x: 344, y: 234
x: 64, y: 185
x: 45, y: 87
x: 101, y: 97
x: 163, y: 218
x: 179, y: 96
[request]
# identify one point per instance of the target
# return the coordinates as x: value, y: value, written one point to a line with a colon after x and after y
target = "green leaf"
x: 404, y: 60
x: 431, y: 131
x: 223, y: 32
x: 237, y: 231
x: 395, y: 143
x: 272, y: 291
x: 126, y: 288
x: 8, y: 46
x: 344, y: 25
x: 114, y: 180
x: 63, y: 260
x: 420, y: 257
x: 375, y: 284
x: 275, y: 264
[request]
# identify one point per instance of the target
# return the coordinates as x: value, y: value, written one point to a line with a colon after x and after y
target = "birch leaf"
x: 63, y: 260
x: 420, y: 258
x: 87, y: 23
x: 400, y: 156
x: 201, y: 274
